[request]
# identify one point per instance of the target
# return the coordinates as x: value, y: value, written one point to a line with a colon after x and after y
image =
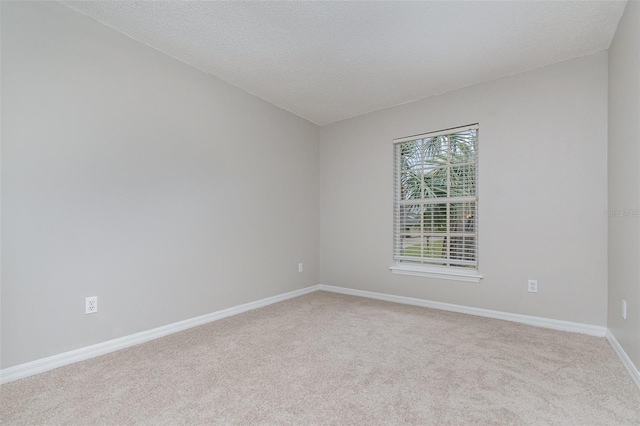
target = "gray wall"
x: 624, y: 181
x: 133, y: 177
x: 542, y: 188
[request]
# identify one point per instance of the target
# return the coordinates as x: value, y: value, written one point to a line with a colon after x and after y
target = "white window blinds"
x: 435, y: 208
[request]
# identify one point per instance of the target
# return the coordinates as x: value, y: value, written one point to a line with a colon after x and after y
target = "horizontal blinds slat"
x: 430, y: 168
x: 435, y: 235
x: 437, y: 261
x: 437, y: 133
x: 442, y: 200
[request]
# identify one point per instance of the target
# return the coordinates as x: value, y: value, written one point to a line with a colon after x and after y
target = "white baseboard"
x: 575, y: 327
x: 626, y: 361
x: 45, y: 364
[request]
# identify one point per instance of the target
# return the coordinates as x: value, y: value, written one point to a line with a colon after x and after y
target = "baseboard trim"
x: 574, y: 327
x: 626, y: 361
x: 45, y: 364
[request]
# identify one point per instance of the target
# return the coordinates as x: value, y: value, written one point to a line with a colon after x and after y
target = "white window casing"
x: 436, y: 204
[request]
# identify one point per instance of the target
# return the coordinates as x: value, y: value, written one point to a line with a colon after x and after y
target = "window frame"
x: 404, y: 266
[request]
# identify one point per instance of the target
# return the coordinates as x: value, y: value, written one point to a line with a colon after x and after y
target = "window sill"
x: 437, y: 272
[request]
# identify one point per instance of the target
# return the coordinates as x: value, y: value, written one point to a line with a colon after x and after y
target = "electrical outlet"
x: 533, y: 286
x: 300, y: 267
x: 624, y: 309
x: 91, y: 305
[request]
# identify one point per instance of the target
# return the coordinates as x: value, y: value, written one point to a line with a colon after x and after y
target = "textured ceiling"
x: 327, y: 61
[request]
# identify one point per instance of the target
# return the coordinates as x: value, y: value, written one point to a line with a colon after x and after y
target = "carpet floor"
x: 329, y: 359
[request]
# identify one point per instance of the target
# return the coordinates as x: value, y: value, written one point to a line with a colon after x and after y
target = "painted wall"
x: 133, y: 177
x: 542, y: 188
x: 624, y: 182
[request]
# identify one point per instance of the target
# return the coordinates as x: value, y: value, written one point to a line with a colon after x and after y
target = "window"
x: 436, y: 204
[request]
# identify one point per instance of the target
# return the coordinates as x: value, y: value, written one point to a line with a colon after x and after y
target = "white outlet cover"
x: 91, y: 305
x: 533, y: 286
x: 624, y: 309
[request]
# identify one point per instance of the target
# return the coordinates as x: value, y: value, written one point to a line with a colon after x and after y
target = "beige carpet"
x: 331, y: 359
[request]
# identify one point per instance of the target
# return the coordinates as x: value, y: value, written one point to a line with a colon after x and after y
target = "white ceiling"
x: 327, y: 61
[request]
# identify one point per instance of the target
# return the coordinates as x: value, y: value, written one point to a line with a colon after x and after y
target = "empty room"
x: 345, y: 213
